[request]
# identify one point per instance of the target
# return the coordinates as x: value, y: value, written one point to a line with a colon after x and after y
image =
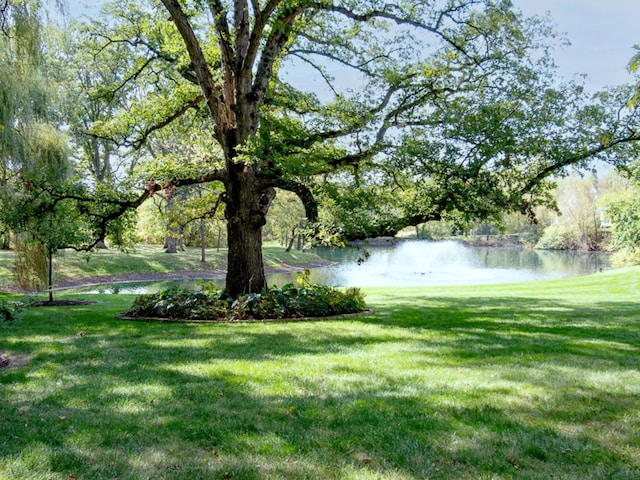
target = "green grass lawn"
x: 527, y: 381
x: 148, y: 259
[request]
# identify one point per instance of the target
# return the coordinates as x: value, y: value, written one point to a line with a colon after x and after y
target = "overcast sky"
x: 602, y: 35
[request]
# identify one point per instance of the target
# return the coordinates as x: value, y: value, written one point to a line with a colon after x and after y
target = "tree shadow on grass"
x: 384, y: 396
x: 516, y: 324
x: 198, y: 429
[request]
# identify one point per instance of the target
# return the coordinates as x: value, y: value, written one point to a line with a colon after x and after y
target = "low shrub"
x: 302, y: 299
x: 626, y: 257
x: 7, y: 311
x: 559, y: 237
x: 179, y: 303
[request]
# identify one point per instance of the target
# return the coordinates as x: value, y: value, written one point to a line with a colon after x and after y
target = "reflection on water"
x: 422, y: 263
x: 427, y: 263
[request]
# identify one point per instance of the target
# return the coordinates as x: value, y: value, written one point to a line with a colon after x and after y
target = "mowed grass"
x: 149, y: 259
x: 526, y: 381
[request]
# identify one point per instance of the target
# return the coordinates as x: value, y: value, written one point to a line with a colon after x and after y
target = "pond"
x: 431, y: 263
x: 421, y: 263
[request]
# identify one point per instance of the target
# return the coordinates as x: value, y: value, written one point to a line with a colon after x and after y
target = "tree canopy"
x: 384, y: 114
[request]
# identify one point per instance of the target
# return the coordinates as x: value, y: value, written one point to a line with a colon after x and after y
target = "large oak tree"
x: 391, y: 113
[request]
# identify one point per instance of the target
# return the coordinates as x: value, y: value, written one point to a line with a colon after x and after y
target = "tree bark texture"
x: 246, y: 209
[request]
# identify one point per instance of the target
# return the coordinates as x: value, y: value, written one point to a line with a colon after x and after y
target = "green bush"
x: 290, y: 301
x: 626, y: 257
x: 559, y: 237
x: 7, y: 312
x: 178, y: 303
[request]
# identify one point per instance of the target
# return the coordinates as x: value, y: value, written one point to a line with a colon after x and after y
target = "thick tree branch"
x: 273, y: 48
x: 102, y: 211
x: 241, y: 23
x: 229, y: 58
x: 392, y: 228
x: 215, y: 103
x: 303, y: 192
x: 573, y: 159
x: 260, y: 22
x: 210, y: 213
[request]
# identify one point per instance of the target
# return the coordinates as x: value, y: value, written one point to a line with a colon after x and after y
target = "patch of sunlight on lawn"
x: 134, y: 398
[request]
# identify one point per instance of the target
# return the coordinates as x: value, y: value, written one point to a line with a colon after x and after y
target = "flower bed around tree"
x: 299, y: 300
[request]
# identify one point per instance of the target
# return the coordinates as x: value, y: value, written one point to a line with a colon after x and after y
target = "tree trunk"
x: 203, y: 255
x: 50, y: 274
x: 245, y: 271
x: 246, y: 209
x: 180, y: 241
x: 170, y: 244
x: 292, y: 241
x: 172, y: 235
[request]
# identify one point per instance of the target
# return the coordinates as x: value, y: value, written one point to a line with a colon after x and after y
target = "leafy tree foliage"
x: 427, y: 111
x: 578, y: 223
x: 634, y: 67
x: 622, y: 207
x: 41, y: 198
x: 32, y: 151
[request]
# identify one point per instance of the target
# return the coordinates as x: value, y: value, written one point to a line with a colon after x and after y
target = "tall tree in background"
x: 42, y: 199
x: 23, y: 92
x: 425, y: 109
x: 623, y: 210
x: 32, y: 150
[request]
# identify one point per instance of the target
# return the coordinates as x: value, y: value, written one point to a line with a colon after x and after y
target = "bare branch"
x: 436, y: 29
x: 317, y: 68
x: 359, y: 67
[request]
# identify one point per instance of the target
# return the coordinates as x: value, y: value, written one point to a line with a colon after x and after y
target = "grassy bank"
x: 149, y: 259
x: 529, y: 381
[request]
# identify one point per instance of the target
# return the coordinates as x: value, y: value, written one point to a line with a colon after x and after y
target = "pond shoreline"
x: 498, y: 241
x: 480, y: 241
x: 428, y: 273
x: 66, y: 283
